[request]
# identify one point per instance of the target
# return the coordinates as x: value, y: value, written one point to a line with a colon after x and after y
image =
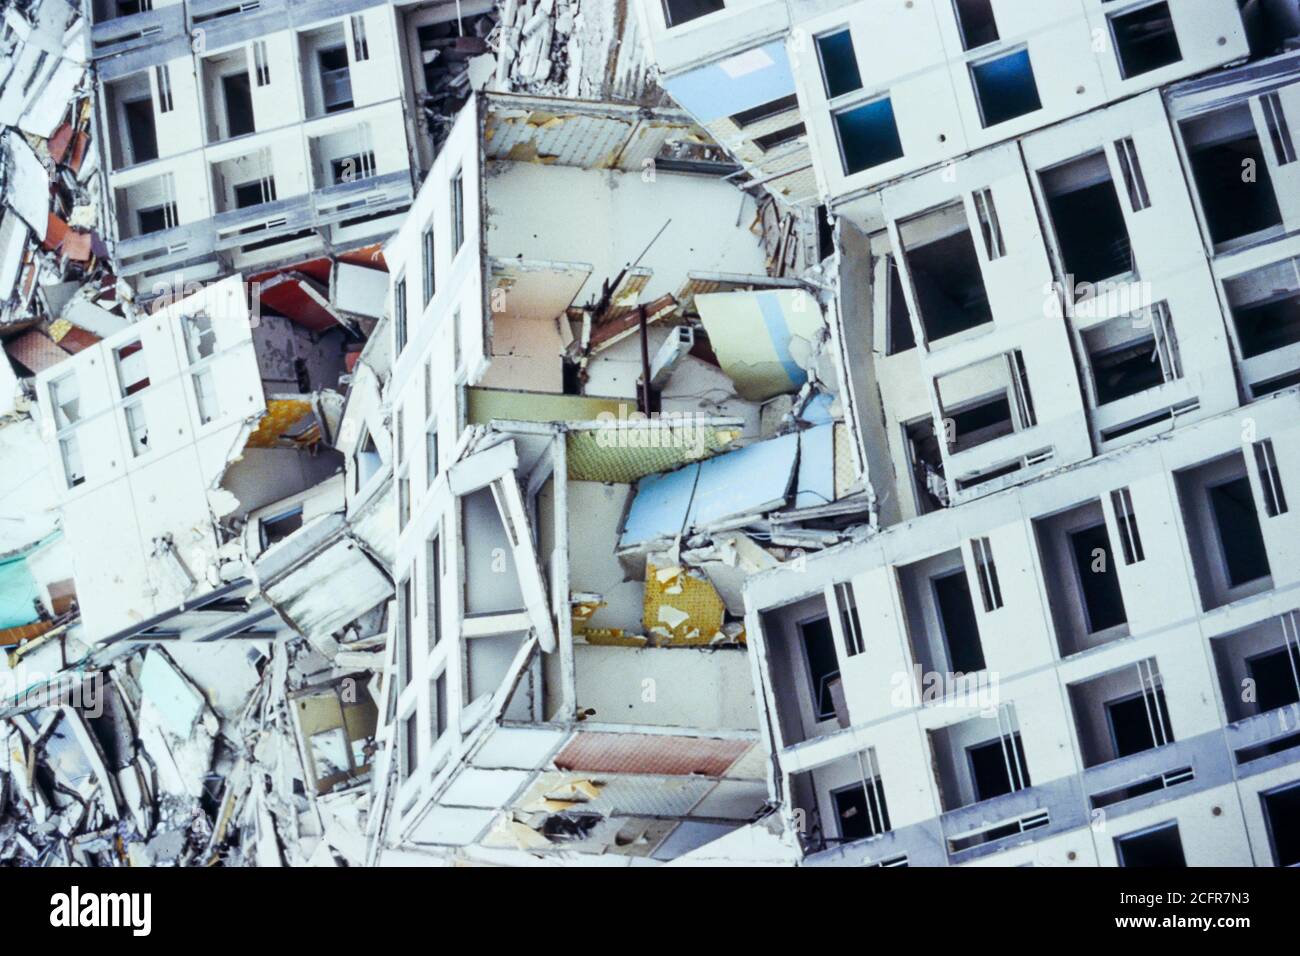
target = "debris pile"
x: 57, y: 292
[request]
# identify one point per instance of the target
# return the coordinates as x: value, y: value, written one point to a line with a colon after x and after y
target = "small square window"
x: 1159, y: 847
x: 1005, y: 88
x: 1145, y: 40
x: 839, y: 63
x: 868, y: 135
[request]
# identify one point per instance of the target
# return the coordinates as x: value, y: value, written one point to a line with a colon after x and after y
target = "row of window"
x: 1003, y: 84
x: 428, y: 275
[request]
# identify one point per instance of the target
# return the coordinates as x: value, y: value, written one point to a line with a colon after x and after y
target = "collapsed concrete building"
x: 681, y: 431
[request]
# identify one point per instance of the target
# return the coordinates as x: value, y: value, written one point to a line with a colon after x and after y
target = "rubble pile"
x: 57, y: 291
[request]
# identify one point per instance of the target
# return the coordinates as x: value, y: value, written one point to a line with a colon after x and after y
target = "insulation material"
x: 495, y: 404
x: 681, y: 608
x: 760, y: 338
x: 650, y: 754
x: 282, y: 414
x: 623, y: 452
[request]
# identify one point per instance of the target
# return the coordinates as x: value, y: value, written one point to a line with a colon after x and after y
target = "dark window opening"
x: 411, y: 750
x: 255, y: 193
x: 140, y: 128
x: 927, y: 465
x: 1244, y: 555
x: 1129, y: 537
x: 945, y: 272
x: 1282, y: 811
x: 1274, y: 677
x: 861, y: 811
x: 975, y: 17
x: 1269, y: 386
x: 1270, y: 479
x: 1134, y: 182
x: 1094, y: 561
x: 957, y: 615
x: 1122, y: 370
x: 1005, y: 88
x: 1139, y: 723
x: 780, y: 137
x: 1088, y: 220
x: 347, y: 169
x: 1279, y: 130
x: 1265, y: 308
x: 1145, y: 40
x: 335, y: 79
x: 823, y: 665
x: 998, y: 767
x: 900, y: 334
x: 280, y: 526
x: 868, y: 135
x: 239, y: 104
x: 677, y: 12
x: 825, y: 233
x: 1232, y: 177
x: 765, y: 111
x: 1160, y: 847
x: 839, y: 63
x: 156, y: 218
x: 979, y: 422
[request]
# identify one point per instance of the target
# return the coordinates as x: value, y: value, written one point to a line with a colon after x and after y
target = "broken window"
x: 1134, y: 182
x: 1269, y: 478
x: 163, y: 76
x: 987, y: 214
x: 1130, y: 540
x: 1159, y: 846
x: 1090, y: 231
x: 677, y: 12
x: 65, y: 399
x: 944, y: 270
x: 1131, y: 354
x: 368, y: 461
x: 457, y: 211
x: 70, y: 452
x: 238, y: 98
x: 132, y: 369
x: 142, y: 134
x: 957, y: 621
x: 433, y: 591
x: 137, y: 428
x: 839, y: 63
x: 1265, y: 307
x: 985, y: 401
x: 975, y: 19
x: 780, y: 137
x: 1005, y: 87
x: 426, y: 252
x: 1145, y: 40
x: 1225, y: 541
x: 822, y: 664
x: 335, y: 79
x: 987, y: 572
x: 360, y: 46
x: 1279, y: 131
x: 279, y: 526
x: 998, y: 767
x: 868, y: 135
x: 764, y: 111
x: 399, y: 315
x: 1232, y: 177
x: 860, y: 809
x: 1282, y: 814
x: 927, y: 465
x: 200, y: 337
x: 205, y: 395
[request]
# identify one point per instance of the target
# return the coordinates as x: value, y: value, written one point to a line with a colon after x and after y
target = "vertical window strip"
x: 434, y: 591
x: 1130, y: 540
x: 1162, y: 327
x: 1269, y: 478
x: 987, y: 572
x: 1012, y: 752
x: 261, y: 63
x: 874, y: 791
x: 164, y: 77
x: 1134, y: 182
x: 360, y: 46
x: 1278, y: 129
x: 1149, y: 680
x: 427, y: 253
x: 992, y: 230
x: 1020, y: 383
x: 854, y: 643
x: 399, y: 314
